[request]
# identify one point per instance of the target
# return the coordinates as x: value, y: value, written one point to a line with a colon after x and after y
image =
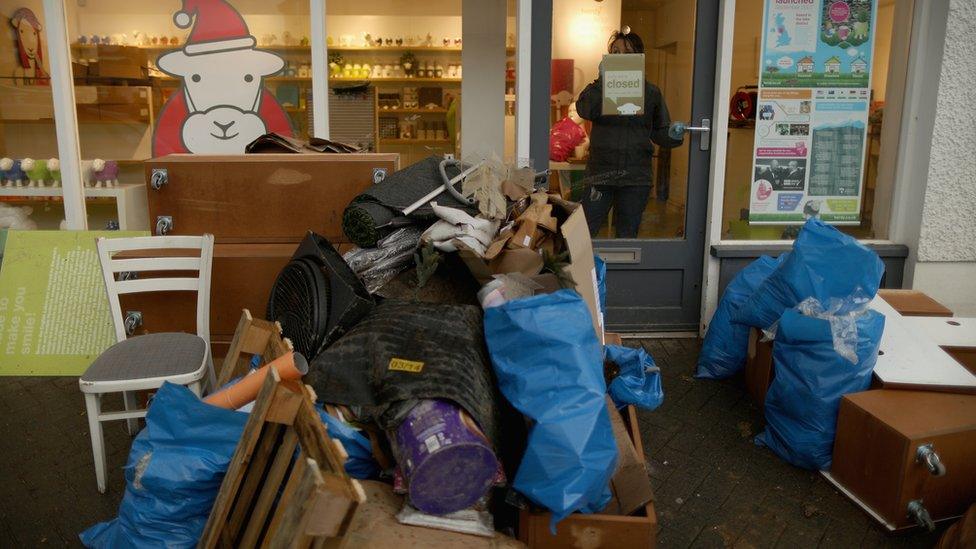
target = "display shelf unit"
x: 129, y: 198
x: 414, y: 141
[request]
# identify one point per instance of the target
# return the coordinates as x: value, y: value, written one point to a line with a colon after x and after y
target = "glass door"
x: 643, y: 180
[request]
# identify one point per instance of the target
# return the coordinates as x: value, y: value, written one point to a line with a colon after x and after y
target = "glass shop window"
x: 155, y: 78
x: 395, y: 76
x: 816, y: 125
x: 29, y: 166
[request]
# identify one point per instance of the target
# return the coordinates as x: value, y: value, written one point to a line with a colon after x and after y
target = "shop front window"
x: 156, y: 78
x: 808, y: 141
x: 30, y: 193
x: 395, y: 76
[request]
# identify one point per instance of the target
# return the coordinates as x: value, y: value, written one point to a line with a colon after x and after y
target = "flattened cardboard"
x: 581, y: 268
x: 630, y: 484
x: 623, y: 84
x: 759, y: 367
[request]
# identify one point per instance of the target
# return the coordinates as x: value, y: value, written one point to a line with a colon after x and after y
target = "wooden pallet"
x: 253, y: 336
x: 271, y: 499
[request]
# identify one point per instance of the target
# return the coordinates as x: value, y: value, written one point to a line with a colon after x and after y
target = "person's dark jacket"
x: 620, y: 146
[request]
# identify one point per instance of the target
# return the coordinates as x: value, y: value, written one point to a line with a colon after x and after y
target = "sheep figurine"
x: 54, y: 167
x: 11, y: 173
x: 16, y: 217
x: 36, y: 170
x: 105, y: 172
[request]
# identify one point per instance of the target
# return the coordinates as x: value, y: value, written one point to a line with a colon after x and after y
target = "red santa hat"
x: 217, y: 27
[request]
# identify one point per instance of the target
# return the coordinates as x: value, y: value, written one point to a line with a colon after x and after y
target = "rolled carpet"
x: 379, y: 210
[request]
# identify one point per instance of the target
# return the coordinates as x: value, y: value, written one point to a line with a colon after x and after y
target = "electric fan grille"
x: 300, y: 302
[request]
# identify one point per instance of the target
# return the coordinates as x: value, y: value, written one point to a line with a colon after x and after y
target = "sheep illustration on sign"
x: 223, y: 104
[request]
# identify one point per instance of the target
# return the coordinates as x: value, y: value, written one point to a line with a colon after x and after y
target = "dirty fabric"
x: 405, y: 351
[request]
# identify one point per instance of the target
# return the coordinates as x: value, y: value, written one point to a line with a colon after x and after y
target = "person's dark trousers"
x: 628, y: 207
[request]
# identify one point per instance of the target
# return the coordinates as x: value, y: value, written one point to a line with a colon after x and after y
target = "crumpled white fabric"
x: 458, y: 226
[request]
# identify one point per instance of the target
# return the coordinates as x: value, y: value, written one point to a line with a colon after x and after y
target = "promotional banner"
x: 812, y: 116
x: 54, y: 316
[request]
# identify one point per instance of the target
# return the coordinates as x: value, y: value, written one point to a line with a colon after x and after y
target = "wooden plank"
x: 914, y: 303
x: 909, y: 359
x: 282, y: 460
x: 253, y: 480
x: 297, y: 480
x: 238, y: 465
x: 230, y: 366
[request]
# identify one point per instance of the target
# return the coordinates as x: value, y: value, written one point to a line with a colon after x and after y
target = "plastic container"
x: 448, y: 463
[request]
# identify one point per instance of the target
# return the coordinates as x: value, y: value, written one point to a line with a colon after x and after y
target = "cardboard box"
x: 576, y: 236
x: 630, y: 484
x: 623, y: 84
x: 598, y: 529
x: 759, y: 367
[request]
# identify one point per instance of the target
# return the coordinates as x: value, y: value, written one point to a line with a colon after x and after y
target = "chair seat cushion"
x: 149, y: 356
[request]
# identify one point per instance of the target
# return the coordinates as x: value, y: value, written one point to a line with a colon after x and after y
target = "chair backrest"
x: 189, y: 257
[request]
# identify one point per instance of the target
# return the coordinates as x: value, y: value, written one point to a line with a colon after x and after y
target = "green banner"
x: 54, y: 316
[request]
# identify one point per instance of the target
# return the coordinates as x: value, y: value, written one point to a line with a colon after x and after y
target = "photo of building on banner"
x: 812, y: 117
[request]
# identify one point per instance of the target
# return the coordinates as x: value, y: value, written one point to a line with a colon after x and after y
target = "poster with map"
x: 812, y: 117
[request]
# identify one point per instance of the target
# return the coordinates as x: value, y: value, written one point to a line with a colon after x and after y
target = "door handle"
x: 679, y: 128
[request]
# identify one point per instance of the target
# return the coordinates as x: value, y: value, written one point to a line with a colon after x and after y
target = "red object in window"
x: 563, y: 139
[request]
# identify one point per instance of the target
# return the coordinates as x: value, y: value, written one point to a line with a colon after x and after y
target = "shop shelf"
x: 130, y: 200
x: 413, y: 111
x: 414, y: 141
x: 399, y: 80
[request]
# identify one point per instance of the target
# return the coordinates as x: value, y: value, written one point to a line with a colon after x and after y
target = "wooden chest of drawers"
x: 258, y: 207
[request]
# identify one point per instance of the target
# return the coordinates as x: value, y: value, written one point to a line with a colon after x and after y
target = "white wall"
x: 580, y: 30
x: 946, y: 264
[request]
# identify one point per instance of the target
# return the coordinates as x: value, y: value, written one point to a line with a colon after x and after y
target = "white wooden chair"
x: 147, y: 361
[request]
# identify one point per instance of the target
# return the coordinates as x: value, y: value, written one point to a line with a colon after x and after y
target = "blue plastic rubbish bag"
x: 361, y: 464
x: 726, y: 344
x: 811, y: 377
x: 639, y: 380
x: 549, y: 365
x: 173, y: 474
x: 601, y: 282
x: 825, y: 264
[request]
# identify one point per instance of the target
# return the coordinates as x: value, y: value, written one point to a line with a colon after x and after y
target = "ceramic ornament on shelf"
x: 54, y: 167
x: 429, y: 41
x: 105, y: 172
x: 36, y: 171
x: 11, y: 172
x: 86, y: 173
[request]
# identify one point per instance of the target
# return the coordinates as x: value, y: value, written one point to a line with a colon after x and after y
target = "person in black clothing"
x: 618, y: 172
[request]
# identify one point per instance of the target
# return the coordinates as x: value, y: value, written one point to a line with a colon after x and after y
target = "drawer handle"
x: 926, y: 455
x: 133, y: 320
x: 164, y: 224
x: 920, y: 514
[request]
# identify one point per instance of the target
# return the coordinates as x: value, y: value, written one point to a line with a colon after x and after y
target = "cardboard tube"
x: 290, y: 366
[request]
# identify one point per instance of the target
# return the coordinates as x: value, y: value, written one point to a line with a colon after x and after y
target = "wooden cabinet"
x: 258, y: 207
x: 876, y: 453
x: 262, y: 197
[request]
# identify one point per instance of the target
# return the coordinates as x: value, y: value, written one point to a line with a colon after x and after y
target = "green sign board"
x: 54, y: 316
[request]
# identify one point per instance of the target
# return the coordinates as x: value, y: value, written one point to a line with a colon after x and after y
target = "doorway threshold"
x: 659, y: 335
